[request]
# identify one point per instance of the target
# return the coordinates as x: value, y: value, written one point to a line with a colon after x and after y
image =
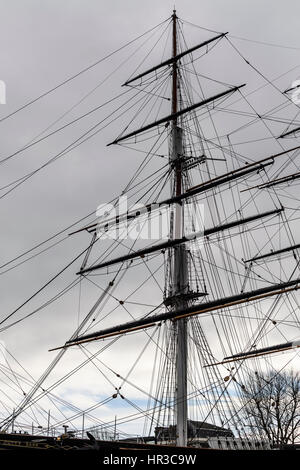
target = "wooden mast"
x: 179, y: 275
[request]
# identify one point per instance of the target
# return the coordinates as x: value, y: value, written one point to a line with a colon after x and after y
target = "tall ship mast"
x: 210, y: 301
x: 179, y: 280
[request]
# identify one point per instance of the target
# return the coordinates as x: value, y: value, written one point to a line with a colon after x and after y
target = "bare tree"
x: 272, y: 406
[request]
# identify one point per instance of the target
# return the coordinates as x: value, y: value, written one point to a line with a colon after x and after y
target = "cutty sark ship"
x: 182, y: 319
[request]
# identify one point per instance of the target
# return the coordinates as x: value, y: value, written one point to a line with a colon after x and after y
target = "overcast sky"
x: 41, y: 44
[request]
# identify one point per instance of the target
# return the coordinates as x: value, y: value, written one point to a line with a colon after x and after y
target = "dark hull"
x: 44, y: 443
x: 27, y: 449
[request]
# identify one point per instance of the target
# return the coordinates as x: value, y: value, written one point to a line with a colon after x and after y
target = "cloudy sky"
x: 42, y: 43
